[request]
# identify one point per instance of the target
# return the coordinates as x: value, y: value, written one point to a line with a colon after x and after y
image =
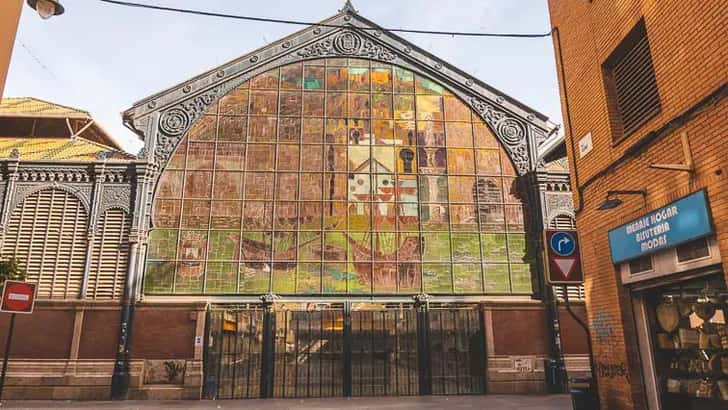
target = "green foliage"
x: 10, y: 270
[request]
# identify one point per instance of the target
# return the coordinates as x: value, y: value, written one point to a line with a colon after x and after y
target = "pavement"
x: 496, y: 402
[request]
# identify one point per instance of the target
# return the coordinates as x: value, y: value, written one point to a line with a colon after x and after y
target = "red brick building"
x: 643, y: 86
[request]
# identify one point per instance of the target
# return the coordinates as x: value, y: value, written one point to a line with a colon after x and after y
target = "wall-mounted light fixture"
x: 612, y: 201
x: 46, y: 8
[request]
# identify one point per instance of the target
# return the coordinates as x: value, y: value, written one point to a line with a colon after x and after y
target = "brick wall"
x: 164, y: 332
x: 689, y: 55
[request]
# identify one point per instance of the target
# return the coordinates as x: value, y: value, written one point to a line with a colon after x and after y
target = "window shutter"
x: 110, y: 256
x: 632, y: 84
x: 47, y: 232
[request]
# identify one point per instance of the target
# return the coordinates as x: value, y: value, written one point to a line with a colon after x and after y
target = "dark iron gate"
x: 344, y: 349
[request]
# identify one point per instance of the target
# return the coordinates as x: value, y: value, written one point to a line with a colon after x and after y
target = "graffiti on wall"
x: 606, y: 346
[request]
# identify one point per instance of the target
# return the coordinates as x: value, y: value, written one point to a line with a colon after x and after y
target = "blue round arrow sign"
x: 563, y: 243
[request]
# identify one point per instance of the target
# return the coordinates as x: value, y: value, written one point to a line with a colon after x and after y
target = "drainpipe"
x: 120, y: 378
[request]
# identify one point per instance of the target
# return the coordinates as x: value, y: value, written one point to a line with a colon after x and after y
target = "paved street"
x: 496, y: 402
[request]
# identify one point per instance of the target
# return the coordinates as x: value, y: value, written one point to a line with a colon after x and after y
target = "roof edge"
x: 350, y: 16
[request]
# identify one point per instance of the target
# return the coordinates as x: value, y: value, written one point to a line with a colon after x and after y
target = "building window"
x: 630, y: 84
x: 338, y: 176
x: 643, y: 264
x: 693, y: 250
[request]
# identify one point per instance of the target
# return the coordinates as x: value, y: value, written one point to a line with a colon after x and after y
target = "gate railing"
x: 344, y: 349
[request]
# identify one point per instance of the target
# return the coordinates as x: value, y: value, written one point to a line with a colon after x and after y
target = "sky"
x: 102, y: 58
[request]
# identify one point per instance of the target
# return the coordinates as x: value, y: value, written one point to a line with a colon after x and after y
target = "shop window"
x: 689, y: 342
x: 630, y: 82
x: 693, y: 250
x: 643, y: 264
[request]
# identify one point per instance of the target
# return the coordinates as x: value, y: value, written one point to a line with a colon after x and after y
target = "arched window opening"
x: 338, y: 176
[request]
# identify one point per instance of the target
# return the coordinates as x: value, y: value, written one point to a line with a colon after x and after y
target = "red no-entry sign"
x: 18, y: 297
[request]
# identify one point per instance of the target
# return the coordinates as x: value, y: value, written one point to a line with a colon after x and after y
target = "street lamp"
x: 46, y: 8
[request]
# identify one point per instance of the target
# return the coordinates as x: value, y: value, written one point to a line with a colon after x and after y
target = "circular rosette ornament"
x: 174, y: 122
x: 347, y: 43
x: 511, y: 131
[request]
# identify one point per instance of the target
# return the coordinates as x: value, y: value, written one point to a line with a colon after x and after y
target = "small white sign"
x: 198, y: 340
x: 585, y: 145
x: 523, y: 365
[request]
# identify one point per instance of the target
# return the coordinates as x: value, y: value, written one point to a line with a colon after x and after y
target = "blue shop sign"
x: 681, y: 221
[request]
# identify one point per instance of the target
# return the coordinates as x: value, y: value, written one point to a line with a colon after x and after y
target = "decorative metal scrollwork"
x: 509, y: 130
x: 558, y: 203
x: 177, y: 120
x: 115, y: 196
x: 348, y: 43
x: 22, y: 191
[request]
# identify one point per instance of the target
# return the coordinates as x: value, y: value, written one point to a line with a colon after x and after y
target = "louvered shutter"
x: 47, y: 232
x: 110, y: 256
x: 632, y: 83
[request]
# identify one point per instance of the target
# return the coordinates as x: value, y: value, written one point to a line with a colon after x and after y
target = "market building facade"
x: 643, y: 88
x: 339, y: 213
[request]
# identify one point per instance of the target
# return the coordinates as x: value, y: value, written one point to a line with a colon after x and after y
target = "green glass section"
x: 517, y: 248
x: 308, y: 278
x: 158, y: 277
x: 437, y: 278
x: 468, y: 278
x: 284, y: 278
x: 465, y: 247
x: 162, y: 244
x: 334, y: 278
x: 221, y: 277
x: 223, y: 245
x: 497, y: 278
x: 437, y: 247
x: 189, y: 277
x: 254, y: 278
x: 521, y: 278
x: 495, y: 248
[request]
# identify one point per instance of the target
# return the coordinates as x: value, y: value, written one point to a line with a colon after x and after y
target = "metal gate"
x: 301, y: 350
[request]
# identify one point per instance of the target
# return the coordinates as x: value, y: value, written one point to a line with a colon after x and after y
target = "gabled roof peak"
x: 348, y: 8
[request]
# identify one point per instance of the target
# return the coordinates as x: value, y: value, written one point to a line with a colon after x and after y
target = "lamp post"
x: 9, y: 19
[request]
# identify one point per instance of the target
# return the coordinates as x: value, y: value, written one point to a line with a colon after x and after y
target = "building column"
x: 144, y: 172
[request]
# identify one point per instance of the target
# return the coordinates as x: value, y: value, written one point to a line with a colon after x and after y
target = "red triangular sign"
x: 565, y: 265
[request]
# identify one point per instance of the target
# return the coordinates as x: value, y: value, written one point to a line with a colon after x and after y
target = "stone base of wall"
x: 525, y: 374
x: 91, y: 380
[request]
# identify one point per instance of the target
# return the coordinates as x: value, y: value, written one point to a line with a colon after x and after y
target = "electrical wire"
x: 304, y: 23
x: 37, y: 60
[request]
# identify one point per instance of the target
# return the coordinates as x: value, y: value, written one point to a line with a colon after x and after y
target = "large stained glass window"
x: 338, y: 176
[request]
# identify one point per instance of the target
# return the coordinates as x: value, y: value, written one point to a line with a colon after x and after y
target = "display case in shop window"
x: 690, y: 339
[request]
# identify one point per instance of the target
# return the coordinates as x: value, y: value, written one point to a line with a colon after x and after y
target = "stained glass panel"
x: 338, y: 176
